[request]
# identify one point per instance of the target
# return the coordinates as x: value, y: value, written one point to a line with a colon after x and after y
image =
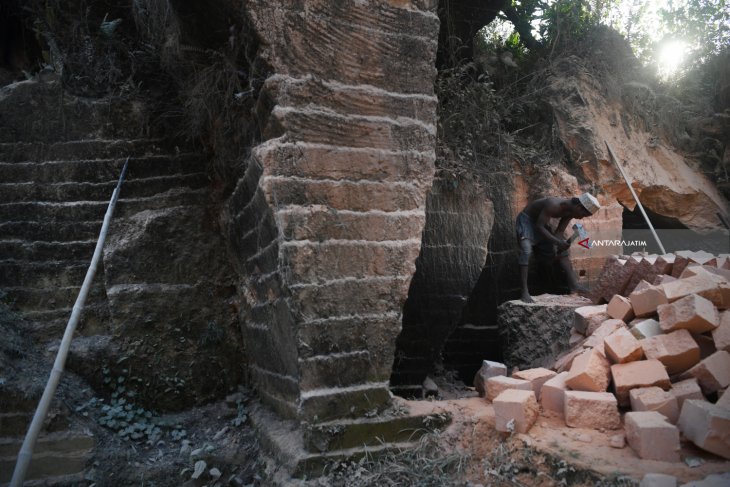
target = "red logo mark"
x: 584, y: 243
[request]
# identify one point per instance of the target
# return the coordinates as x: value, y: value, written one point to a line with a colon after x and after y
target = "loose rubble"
x: 650, y: 358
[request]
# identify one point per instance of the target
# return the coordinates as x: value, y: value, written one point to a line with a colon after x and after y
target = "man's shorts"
x: 529, y: 239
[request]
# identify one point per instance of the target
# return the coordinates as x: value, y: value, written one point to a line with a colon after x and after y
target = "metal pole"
x: 26, y: 451
x: 636, y: 198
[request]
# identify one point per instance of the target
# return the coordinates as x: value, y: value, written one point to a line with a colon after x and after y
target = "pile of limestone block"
x: 652, y: 360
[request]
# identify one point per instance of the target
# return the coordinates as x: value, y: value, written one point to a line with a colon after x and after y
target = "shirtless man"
x: 534, y: 231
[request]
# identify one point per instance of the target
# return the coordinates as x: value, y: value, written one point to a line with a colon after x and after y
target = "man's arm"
x: 542, y: 227
x: 562, y: 226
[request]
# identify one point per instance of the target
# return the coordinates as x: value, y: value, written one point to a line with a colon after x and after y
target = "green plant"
x: 120, y: 413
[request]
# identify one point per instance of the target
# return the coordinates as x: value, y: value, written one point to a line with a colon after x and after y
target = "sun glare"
x: 671, y: 56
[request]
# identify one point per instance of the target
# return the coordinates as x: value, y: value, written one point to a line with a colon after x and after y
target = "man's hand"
x: 563, y: 245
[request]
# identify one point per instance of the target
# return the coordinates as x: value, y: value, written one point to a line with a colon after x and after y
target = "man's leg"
x: 573, y: 283
x: 524, y: 261
x: 524, y: 272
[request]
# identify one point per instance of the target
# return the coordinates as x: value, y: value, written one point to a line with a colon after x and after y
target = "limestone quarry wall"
x: 159, y: 314
x: 459, y: 219
x: 326, y: 223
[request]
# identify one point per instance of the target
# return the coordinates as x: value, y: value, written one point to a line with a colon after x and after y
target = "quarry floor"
x: 551, y: 454
x: 472, y: 431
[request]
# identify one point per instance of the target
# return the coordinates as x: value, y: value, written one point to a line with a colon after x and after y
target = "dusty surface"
x: 473, y: 430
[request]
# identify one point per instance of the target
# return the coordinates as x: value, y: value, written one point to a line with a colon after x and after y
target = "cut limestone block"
x: 664, y: 264
x: 686, y: 389
x: 645, y: 329
x: 712, y: 373
x: 587, y: 317
x: 552, y: 394
x: 590, y: 371
x: 693, y: 313
x: 613, y: 279
x: 658, y: 480
x: 537, y: 377
x: 620, y: 308
x: 621, y: 347
x: 646, y: 301
x: 641, y: 286
x: 723, y: 401
x: 663, y: 279
x: 487, y: 370
x: 655, y: 399
x: 678, y: 351
x: 591, y: 410
x: 707, y: 345
x: 515, y: 406
x: 650, y: 435
x: 564, y: 362
x: 633, y: 375
x: 702, y: 285
x: 707, y: 426
x: 685, y: 257
x: 498, y: 384
x: 721, y: 334
x: 575, y: 338
x: 606, y: 328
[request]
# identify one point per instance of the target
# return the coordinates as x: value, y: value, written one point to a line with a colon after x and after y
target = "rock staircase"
x: 60, y: 455
x: 52, y: 202
x: 55, y: 184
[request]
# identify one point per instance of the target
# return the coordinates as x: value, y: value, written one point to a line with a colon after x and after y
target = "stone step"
x: 347, y: 434
x: 40, y: 251
x: 14, y: 273
x: 73, y: 191
x: 15, y: 423
x: 28, y: 298
x: 84, y: 149
x: 50, y: 231
x: 55, y: 454
x: 100, y: 170
x: 51, y: 324
x: 65, y: 212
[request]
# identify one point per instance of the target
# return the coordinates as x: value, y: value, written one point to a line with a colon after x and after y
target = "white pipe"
x: 636, y: 198
x: 26, y: 451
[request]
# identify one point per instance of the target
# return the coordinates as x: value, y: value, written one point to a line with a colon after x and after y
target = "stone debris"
x: 633, y: 375
x: 621, y: 347
x: 591, y: 410
x: 590, y: 371
x: 656, y: 342
x: 655, y: 399
x: 658, y: 480
x: 537, y: 377
x: 498, y: 384
x: 645, y: 329
x: 707, y: 426
x: 651, y: 436
x: 588, y: 317
x: 552, y: 393
x: 712, y: 373
x: 646, y: 300
x: 686, y: 389
x: 721, y: 334
x: 693, y: 313
x: 515, y: 411
x: 487, y: 370
x: 677, y: 350
x: 620, y: 308
x: 617, y: 441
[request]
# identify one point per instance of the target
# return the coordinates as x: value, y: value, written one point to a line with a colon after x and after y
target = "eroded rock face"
x: 459, y: 220
x: 534, y: 334
x: 326, y: 223
x: 170, y: 291
x: 587, y: 116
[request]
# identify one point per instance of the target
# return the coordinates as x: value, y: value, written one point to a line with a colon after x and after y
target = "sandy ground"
x: 472, y: 430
